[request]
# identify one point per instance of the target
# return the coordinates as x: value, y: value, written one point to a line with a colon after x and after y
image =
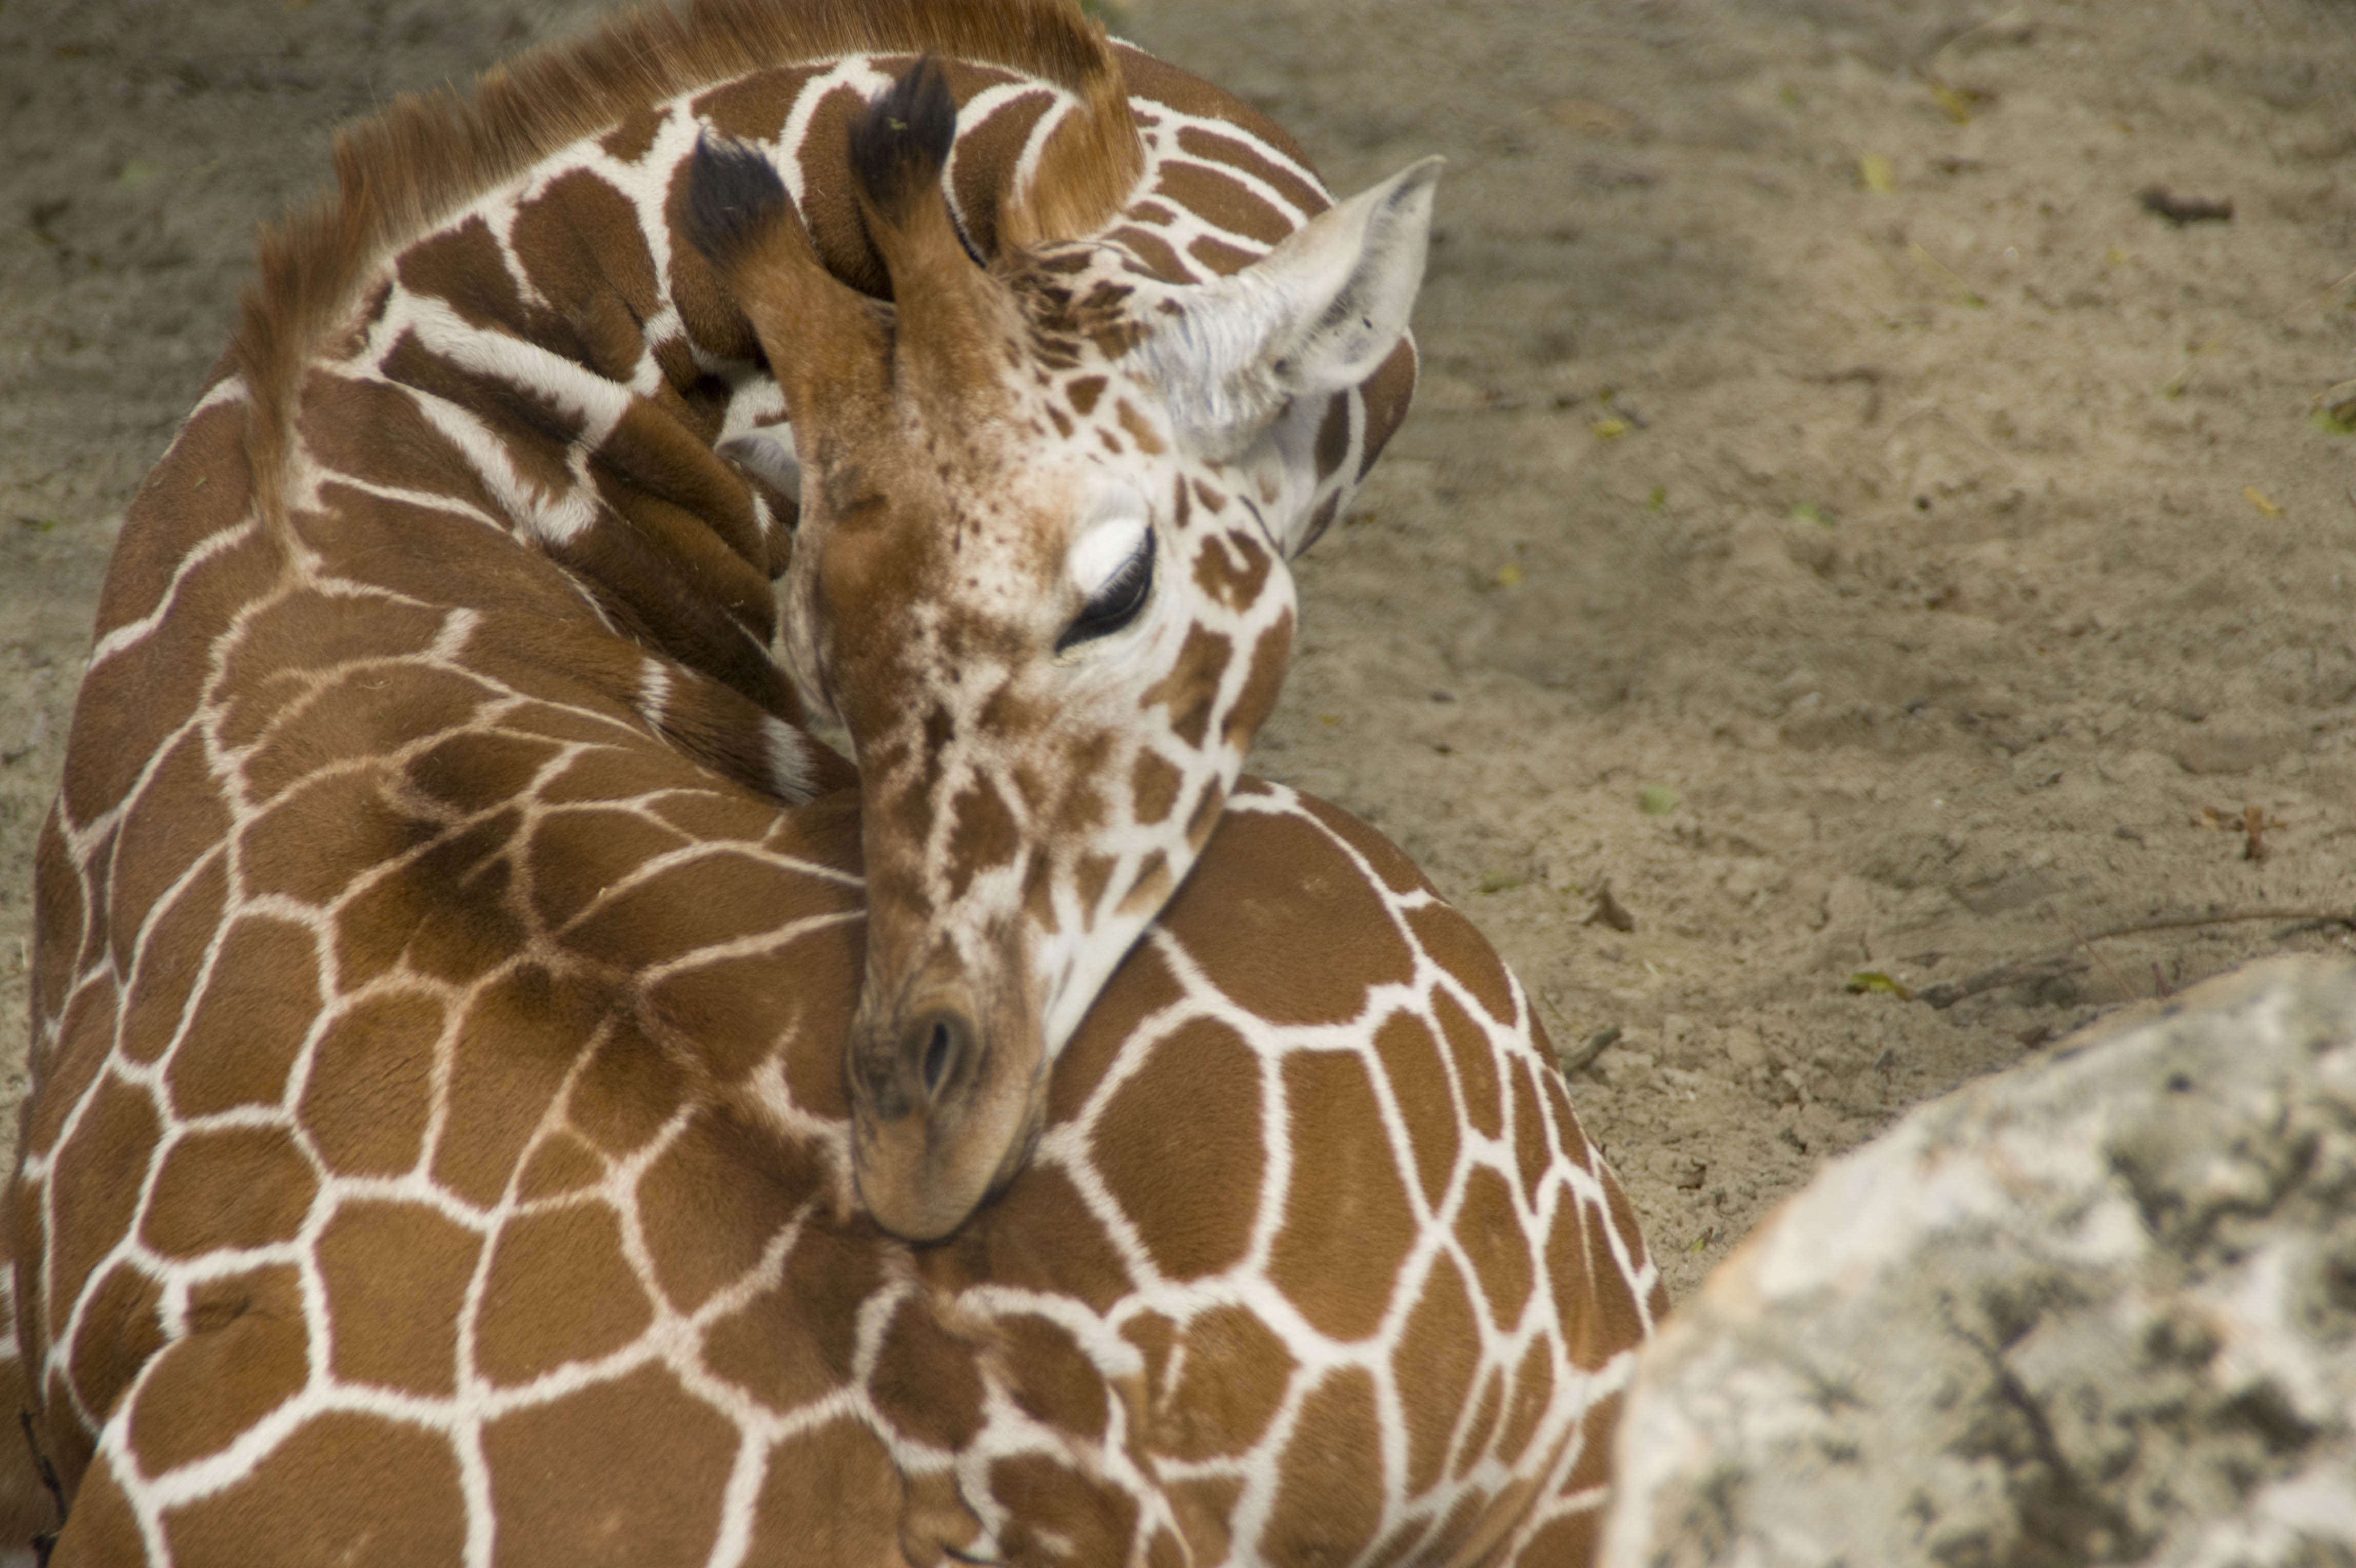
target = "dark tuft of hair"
x: 733, y: 195
x: 902, y: 140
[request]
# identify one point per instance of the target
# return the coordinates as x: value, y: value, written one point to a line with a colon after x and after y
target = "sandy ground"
x: 1838, y: 516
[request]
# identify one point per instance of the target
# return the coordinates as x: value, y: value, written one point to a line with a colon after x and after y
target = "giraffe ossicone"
x: 1054, y: 644
x: 443, y: 1146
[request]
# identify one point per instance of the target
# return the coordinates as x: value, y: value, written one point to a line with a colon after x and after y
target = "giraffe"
x: 444, y: 1145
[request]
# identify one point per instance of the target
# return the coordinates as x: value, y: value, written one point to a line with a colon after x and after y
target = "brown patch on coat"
x: 1232, y: 1379
x: 1419, y: 1081
x: 85, y: 1040
x: 831, y: 1493
x: 1190, y: 689
x: 465, y: 267
x: 1040, y: 1235
x: 577, y: 852
x: 635, y: 136
x: 1271, y: 652
x: 131, y: 700
x: 1225, y: 202
x: 1435, y: 1362
x: 1179, y: 1148
x: 1457, y: 947
x: 1152, y: 253
x: 1329, y: 1495
x: 1531, y: 1152
x: 1333, y: 435
x: 1053, y: 1381
x: 1141, y: 986
x: 653, y: 459
x: 756, y: 106
x: 395, y: 1327
x: 396, y: 1485
x: 576, y: 1482
x: 1490, y: 1232
x: 1219, y: 256
x: 1231, y: 569
x: 246, y: 1354
x: 158, y: 988
x: 711, y: 1204
x: 1096, y: 1518
x: 375, y: 432
x: 793, y: 1344
x: 236, y: 1187
x: 121, y: 1329
x: 1477, y: 1073
x: 177, y: 816
x: 1141, y: 430
x: 536, y: 432
x: 559, y: 1289
x: 443, y: 910
x: 584, y: 250
x: 560, y: 1164
x: 1533, y: 1395
x: 516, y: 1041
x: 1397, y: 871
x: 625, y: 1093
x: 1347, y: 1224
x: 258, y: 1005
x: 987, y: 151
x: 926, y: 1381
x: 1232, y: 906
x: 1386, y: 395
x: 982, y: 835
x: 476, y: 771
x: 1153, y: 789
x: 1198, y: 143
x: 357, y: 715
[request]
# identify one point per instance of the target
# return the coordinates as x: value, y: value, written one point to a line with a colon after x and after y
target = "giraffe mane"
x: 406, y: 168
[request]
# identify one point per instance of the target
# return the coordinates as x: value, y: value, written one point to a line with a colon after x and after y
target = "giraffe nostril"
x: 936, y: 1059
x: 935, y: 1045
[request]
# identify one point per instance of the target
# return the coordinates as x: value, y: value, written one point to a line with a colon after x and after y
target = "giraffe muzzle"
x: 940, y: 1117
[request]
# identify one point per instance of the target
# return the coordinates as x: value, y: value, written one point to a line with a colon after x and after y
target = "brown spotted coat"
x: 438, y: 1149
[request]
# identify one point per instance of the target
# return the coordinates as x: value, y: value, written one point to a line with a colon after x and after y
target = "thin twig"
x: 2116, y: 977
x: 1587, y: 1050
x: 2062, y: 960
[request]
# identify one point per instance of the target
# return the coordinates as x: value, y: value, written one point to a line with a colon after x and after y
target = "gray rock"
x: 2101, y: 1308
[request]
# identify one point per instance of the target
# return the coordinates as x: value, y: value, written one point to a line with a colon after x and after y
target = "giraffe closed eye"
x: 1121, y: 599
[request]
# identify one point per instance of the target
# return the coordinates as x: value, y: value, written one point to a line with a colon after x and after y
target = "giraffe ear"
x: 1318, y: 314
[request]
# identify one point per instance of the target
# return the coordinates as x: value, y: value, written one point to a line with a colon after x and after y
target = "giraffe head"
x: 1039, y: 575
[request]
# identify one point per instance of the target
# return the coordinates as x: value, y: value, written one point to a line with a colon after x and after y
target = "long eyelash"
x: 1133, y: 572
x: 1116, y: 603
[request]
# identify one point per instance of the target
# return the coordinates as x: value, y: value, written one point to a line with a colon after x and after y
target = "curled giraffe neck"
x: 1029, y: 416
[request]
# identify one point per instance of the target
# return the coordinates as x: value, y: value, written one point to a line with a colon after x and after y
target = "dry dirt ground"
x: 1839, y: 515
